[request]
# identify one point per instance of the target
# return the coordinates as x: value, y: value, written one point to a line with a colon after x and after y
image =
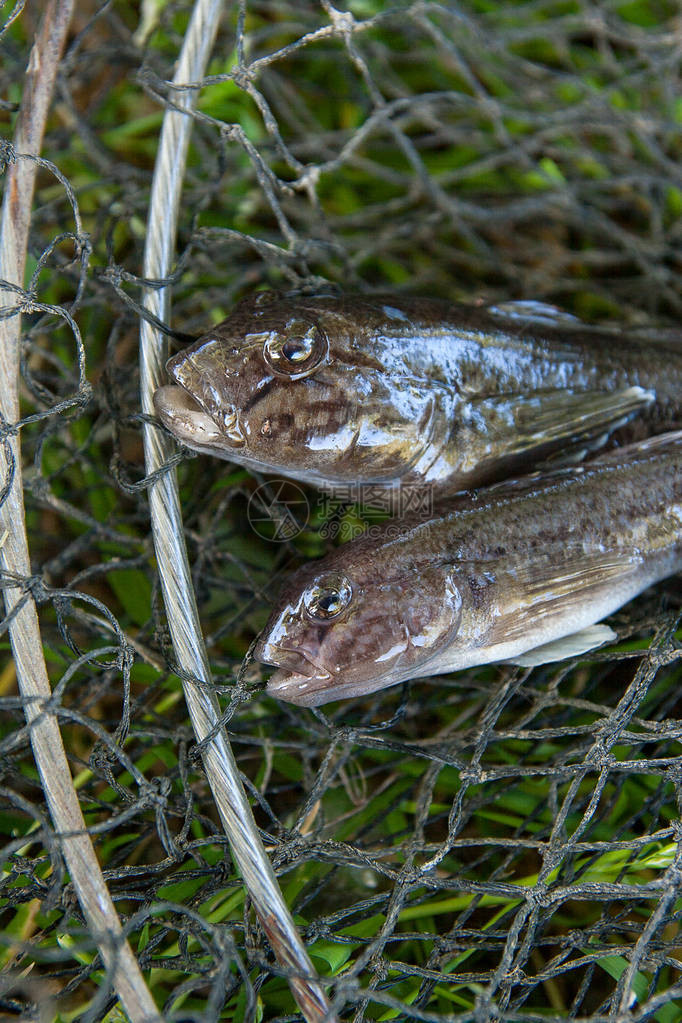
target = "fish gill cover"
x: 499, y: 843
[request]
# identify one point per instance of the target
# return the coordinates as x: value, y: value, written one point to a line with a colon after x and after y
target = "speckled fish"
x: 390, y: 390
x: 521, y: 572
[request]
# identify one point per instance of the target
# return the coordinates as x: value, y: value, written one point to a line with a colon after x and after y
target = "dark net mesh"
x: 495, y: 844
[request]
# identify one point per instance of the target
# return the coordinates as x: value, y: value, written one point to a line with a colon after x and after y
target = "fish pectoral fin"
x: 566, y: 585
x: 568, y: 570
x: 547, y: 419
x: 567, y: 647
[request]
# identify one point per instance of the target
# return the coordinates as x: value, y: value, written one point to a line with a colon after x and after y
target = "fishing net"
x: 496, y: 844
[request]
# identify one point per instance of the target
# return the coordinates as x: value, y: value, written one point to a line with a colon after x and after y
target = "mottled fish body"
x: 520, y: 572
x: 392, y: 390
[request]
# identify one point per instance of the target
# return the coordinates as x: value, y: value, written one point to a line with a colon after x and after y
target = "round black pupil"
x: 294, y: 350
x: 329, y: 602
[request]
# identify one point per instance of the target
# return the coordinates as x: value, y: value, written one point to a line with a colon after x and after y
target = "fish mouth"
x: 297, y: 678
x: 187, y: 420
x: 300, y: 681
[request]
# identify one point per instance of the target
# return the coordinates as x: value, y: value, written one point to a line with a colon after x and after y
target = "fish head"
x: 299, y: 387
x: 342, y: 629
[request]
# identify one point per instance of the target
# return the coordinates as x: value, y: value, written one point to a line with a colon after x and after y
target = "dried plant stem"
x: 24, y: 632
x: 221, y: 768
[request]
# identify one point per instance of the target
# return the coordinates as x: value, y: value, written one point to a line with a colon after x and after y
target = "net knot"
x: 7, y: 429
x: 485, y: 1009
x: 242, y: 77
x: 154, y: 794
x: 343, y: 21
x: 35, y: 585
x: 537, y: 897
x: 8, y: 154
x: 601, y: 756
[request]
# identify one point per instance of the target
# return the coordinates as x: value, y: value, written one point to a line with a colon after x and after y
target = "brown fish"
x: 390, y: 390
x: 520, y: 572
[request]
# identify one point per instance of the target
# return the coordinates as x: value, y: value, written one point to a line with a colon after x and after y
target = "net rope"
x: 496, y: 844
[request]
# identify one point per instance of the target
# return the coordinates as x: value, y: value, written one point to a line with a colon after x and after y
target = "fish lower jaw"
x: 186, y: 420
x: 307, y: 691
x: 293, y: 687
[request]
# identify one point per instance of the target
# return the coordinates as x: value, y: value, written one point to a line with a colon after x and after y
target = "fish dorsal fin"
x: 535, y: 312
x: 567, y: 647
x: 547, y: 419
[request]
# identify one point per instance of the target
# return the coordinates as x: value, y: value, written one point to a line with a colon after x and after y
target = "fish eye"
x: 297, y: 350
x: 327, y: 597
